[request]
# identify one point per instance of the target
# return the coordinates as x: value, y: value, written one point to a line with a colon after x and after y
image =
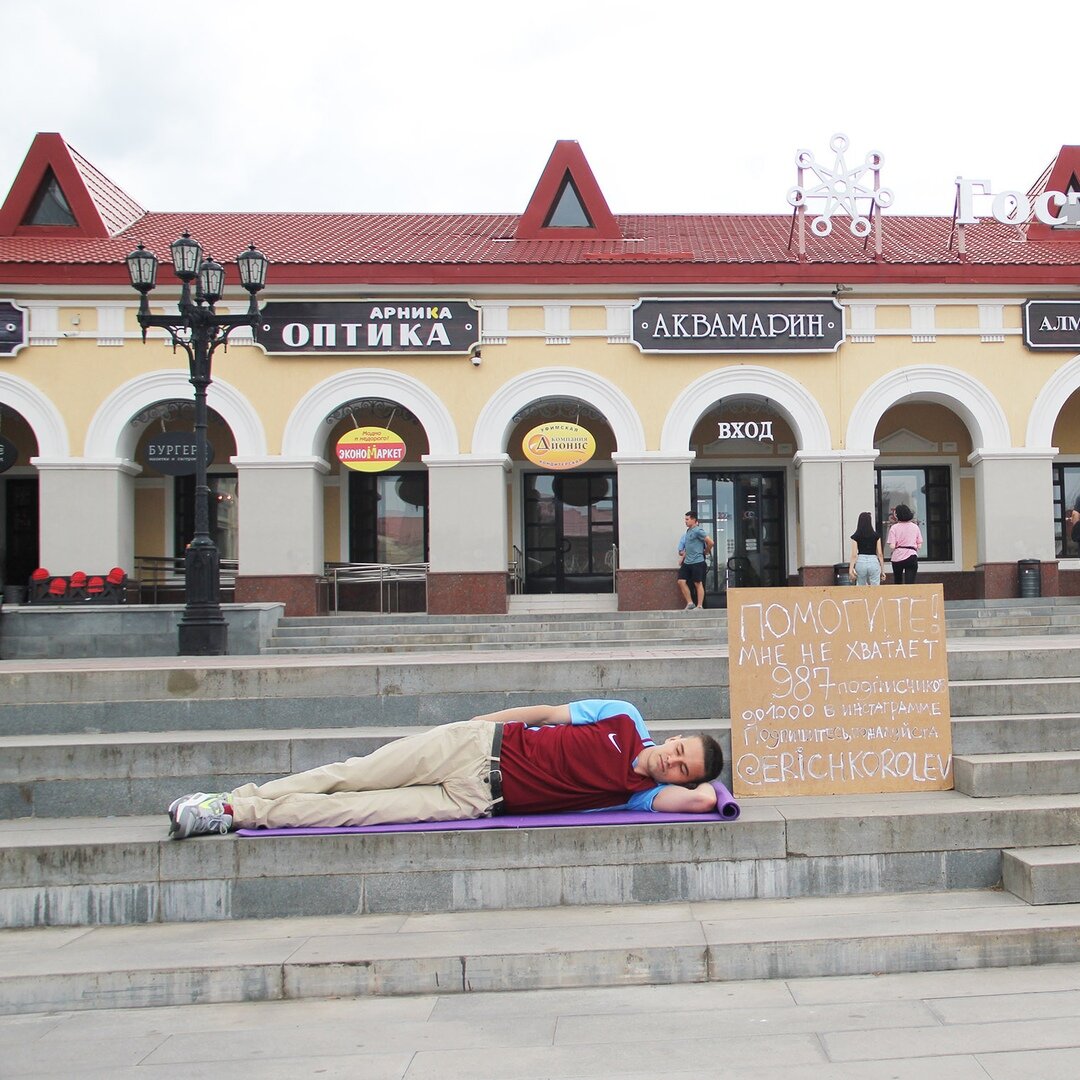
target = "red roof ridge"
x: 100, y: 208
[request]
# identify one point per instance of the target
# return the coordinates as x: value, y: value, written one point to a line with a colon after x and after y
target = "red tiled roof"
x: 480, y: 247
x: 118, y: 209
x: 469, y: 249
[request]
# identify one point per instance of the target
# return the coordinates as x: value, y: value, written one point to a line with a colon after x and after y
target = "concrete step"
x: 991, y: 775
x: 643, y: 945
x: 1043, y: 875
x: 76, y: 774
x: 360, y: 646
x: 191, y: 694
x: 195, y: 694
x: 543, y: 603
x: 1018, y: 734
x: 551, y: 625
x: 120, y: 870
x: 548, y: 623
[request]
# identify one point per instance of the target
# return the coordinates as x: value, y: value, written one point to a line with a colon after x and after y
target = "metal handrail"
x: 386, y: 574
x: 614, y: 568
x: 517, y: 571
x: 154, y: 572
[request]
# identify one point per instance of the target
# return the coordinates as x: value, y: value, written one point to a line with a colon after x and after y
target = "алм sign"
x: 370, y: 326
x: 1052, y: 324
x: 705, y: 325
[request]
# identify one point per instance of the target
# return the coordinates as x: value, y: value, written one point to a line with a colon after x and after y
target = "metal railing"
x: 388, y: 577
x: 162, y: 579
x: 614, y: 568
x: 517, y: 572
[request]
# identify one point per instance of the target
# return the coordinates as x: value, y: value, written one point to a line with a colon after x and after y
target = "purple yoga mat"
x: 727, y: 809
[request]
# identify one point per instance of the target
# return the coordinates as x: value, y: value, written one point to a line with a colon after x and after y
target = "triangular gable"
x: 567, y: 203
x: 97, y: 206
x: 1063, y: 176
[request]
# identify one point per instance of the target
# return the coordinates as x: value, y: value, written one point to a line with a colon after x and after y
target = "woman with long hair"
x: 904, y: 542
x: 867, y: 565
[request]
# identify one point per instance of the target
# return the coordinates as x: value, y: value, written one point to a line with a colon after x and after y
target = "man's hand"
x: 675, y: 799
x: 533, y: 715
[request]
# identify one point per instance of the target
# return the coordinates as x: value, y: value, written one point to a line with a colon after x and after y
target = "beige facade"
x: 932, y: 395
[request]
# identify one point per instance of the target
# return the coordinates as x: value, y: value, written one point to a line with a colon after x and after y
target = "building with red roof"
x: 779, y: 373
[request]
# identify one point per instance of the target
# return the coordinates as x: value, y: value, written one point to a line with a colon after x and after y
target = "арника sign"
x: 368, y: 326
x: 729, y: 325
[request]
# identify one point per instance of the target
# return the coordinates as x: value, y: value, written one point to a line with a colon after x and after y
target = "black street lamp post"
x: 198, y: 330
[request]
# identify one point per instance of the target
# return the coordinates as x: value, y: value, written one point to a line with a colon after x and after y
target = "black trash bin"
x: 1029, y: 573
x: 840, y: 574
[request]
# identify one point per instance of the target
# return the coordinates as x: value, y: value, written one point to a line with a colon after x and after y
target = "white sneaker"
x: 689, y: 607
x: 199, y: 814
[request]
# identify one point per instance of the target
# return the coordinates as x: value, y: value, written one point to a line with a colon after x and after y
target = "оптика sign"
x: 368, y: 326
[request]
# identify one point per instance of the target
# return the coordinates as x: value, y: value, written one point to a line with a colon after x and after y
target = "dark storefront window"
x: 223, y: 512
x: 744, y: 514
x: 1066, y: 499
x: 570, y: 533
x: 928, y: 491
x: 388, y: 517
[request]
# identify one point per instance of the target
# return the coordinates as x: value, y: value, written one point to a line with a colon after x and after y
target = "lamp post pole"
x: 199, y: 330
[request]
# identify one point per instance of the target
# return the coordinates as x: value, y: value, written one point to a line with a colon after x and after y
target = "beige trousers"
x: 442, y: 775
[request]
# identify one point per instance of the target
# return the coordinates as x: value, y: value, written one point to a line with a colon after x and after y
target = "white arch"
x: 40, y: 413
x: 496, y: 418
x: 964, y: 395
x: 1050, y: 401
x: 111, y: 434
x: 807, y: 419
x: 305, y: 432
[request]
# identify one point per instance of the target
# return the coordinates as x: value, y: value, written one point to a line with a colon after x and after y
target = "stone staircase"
x: 567, y: 622
x: 367, y: 633
x: 101, y: 909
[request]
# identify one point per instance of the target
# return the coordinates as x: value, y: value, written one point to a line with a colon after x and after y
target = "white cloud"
x: 679, y: 107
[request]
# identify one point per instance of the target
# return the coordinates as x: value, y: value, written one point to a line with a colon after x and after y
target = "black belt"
x: 495, y: 778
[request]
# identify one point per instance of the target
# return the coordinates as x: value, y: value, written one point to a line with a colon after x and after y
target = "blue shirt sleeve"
x: 640, y: 800
x: 593, y: 710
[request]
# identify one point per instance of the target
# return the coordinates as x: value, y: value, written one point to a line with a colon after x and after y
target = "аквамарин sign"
x: 1052, y: 324
x: 728, y: 325
x: 369, y: 326
x: 12, y: 328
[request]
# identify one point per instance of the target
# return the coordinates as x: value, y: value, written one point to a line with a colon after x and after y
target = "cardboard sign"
x: 839, y: 690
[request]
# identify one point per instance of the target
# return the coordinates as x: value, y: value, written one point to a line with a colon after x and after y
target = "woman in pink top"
x: 904, y: 541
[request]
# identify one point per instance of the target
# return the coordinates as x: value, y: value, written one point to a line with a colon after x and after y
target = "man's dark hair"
x: 714, y: 756
x: 690, y: 514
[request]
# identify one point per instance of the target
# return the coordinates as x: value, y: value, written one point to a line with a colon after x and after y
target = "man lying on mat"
x: 588, y: 755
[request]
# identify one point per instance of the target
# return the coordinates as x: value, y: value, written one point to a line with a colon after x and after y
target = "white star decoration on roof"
x: 840, y: 188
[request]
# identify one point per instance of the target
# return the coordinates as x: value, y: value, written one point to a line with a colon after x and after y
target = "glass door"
x: 569, y: 532
x: 743, y: 512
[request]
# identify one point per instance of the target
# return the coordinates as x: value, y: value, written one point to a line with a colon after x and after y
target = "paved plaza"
x: 991, y: 1024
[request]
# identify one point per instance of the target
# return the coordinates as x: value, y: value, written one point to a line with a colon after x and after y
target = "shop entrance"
x: 20, y: 532
x: 569, y: 532
x: 744, y: 514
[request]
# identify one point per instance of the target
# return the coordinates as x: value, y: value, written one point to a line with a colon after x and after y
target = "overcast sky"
x: 413, y: 105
